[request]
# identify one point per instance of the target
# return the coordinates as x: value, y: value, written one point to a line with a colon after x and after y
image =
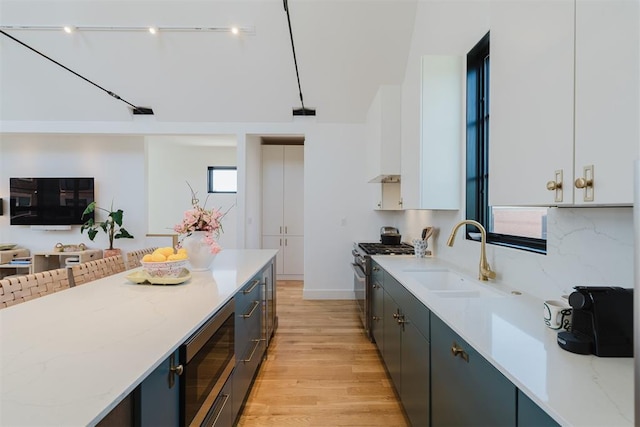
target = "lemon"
x: 166, y: 251
x: 158, y: 257
x: 173, y: 257
x: 181, y: 255
x: 147, y: 258
x: 182, y: 251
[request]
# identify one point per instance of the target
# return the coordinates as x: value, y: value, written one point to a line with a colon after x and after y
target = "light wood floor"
x: 320, y: 369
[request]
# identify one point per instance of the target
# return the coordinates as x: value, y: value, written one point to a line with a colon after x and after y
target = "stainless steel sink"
x: 445, y: 283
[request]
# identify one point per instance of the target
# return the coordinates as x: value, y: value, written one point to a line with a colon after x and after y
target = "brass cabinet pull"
x: 456, y: 350
x: 250, y: 313
x: 376, y: 318
x: 552, y: 185
x: 253, y: 286
x: 585, y: 183
x: 556, y: 185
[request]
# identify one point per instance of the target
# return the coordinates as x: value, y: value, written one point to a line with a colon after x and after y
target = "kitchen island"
x: 505, y: 326
x: 70, y: 357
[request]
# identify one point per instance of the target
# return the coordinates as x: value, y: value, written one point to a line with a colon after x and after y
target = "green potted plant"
x: 112, y: 226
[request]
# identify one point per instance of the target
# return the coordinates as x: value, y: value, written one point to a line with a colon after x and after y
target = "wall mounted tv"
x: 49, y: 201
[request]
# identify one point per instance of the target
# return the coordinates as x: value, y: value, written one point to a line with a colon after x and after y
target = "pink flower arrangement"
x: 200, y: 219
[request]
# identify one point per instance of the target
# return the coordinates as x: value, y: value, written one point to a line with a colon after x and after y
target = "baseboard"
x: 328, y: 294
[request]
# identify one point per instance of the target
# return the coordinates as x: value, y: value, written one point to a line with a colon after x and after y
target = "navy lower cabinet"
x: 250, y: 343
x: 159, y: 396
x: 406, y: 350
x: 377, y: 304
x: 531, y: 415
x: 465, y: 388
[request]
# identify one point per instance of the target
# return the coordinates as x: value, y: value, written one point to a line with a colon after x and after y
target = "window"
x: 222, y: 179
x: 519, y: 227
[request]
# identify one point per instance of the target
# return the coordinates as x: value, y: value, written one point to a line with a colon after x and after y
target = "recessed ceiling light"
x: 68, y: 29
x: 234, y: 30
x: 153, y: 30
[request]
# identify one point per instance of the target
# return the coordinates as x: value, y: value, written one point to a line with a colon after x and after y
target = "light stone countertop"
x: 70, y: 357
x: 575, y: 390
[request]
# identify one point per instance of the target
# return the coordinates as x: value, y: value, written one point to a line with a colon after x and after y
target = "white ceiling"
x: 345, y: 50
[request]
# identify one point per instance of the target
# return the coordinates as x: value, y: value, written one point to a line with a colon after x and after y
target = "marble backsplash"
x: 585, y: 246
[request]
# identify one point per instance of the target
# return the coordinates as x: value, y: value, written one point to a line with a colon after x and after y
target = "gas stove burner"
x: 382, y: 249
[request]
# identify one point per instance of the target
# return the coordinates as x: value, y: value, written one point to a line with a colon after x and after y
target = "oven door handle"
x: 359, y: 272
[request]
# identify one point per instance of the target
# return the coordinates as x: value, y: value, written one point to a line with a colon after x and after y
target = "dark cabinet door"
x: 415, y: 374
x: 531, y: 415
x: 377, y: 313
x: 465, y: 388
x: 392, y: 339
x: 159, y: 396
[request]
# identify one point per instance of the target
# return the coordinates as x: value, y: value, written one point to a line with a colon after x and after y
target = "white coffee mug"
x: 557, y: 315
x: 420, y: 247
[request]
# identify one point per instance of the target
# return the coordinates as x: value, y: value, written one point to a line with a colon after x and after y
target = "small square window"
x: 222, y: 179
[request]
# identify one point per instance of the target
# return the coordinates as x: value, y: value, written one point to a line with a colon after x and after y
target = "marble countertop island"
x: 70, y: 357
x: 575, y: 390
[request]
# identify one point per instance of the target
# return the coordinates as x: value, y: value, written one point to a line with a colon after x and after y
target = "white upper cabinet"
x: 607, y: 91
x: 564, y: 102
x: 437, y: 155
x: 531, y: 100
x: 383, y: 134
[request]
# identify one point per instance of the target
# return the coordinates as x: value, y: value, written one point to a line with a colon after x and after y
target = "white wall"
x: 116, y: 163
x: 170, y: 166
x: 586, y: 246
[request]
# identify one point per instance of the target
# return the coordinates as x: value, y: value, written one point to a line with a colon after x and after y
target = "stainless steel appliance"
x: 361, y: 265
x: 207, y: 360
x: 390, y: 236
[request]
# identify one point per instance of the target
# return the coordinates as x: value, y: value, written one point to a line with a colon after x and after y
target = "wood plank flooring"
x: 320, y: 370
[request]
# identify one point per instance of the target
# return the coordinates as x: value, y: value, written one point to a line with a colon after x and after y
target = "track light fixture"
x: 235, y: 30
x: 136, y: 110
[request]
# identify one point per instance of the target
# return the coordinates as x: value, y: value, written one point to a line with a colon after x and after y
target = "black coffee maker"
x: 601, y: 323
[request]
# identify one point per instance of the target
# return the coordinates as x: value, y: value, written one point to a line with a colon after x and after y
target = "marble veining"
x: 509, y: 332
x: 70, y: 357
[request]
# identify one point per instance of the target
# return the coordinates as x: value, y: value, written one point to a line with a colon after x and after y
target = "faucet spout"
x: 485, y: 272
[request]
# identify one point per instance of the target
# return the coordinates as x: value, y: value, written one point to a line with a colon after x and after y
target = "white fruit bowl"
x: 164, y: 269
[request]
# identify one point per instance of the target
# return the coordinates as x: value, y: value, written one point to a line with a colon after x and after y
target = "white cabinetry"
x: 436, y: 157
x: 607, y: 95
x: 282, y: 206
x: 383, y: 147
x: 563, y: 99
x: 383, y: 133
x: 531, y: 96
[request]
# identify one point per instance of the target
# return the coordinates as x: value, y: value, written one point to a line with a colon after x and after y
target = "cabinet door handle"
x: 224, y: 403
x: 376, y: 269
x: 253, y: 286
x: 585, y: 183
x: 285, y: 229
x: 256, y: 343
x: 174, y: 370
x: 250, y: 313
x: 456, y: 350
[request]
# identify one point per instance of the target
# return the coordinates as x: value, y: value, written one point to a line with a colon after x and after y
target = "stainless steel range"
x: 362, y: 274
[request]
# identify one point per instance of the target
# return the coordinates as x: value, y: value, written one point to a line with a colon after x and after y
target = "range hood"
x: 386, y: 179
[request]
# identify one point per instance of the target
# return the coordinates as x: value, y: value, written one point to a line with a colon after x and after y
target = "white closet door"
x: 294, y: 190
x: 273, y: 187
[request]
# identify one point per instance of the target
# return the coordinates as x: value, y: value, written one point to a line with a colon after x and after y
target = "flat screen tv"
x: 49, y: 201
